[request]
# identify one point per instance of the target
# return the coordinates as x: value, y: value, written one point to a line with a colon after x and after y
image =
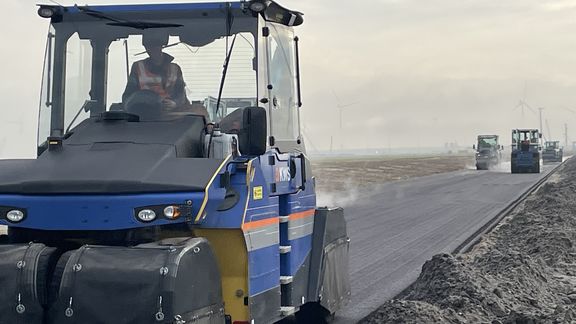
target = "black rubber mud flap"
x: 329, y: 276
x: 172, y: 281
x: 25, y: 271
x: 335, y: 289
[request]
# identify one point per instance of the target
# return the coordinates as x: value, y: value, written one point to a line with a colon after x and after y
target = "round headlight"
x: 45, y: 12
x: 257, y: 6
x: 15, y: 215
x: 146, y: 215
x: 172, y: 212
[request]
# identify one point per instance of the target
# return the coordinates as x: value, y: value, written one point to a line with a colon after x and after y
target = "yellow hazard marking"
x: 231, y: 252
x: 257, y: 192
x: 205, y: 201
x: 248, y: 188
x: 252, y: 173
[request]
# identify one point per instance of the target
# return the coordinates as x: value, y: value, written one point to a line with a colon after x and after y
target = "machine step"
x: 284, y: 280
x: 287, y: 310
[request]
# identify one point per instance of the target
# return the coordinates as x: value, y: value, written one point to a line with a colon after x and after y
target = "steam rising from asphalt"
x: 353, y: 194
x: 503, y: 167
x: 341, y: 198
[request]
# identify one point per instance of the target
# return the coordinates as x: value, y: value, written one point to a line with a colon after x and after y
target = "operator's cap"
x: 155, y: 38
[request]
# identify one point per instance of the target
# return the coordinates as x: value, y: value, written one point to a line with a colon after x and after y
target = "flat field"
x: 335, y: 175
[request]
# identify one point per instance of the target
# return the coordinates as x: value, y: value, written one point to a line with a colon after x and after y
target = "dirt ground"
x: 524, y: 271
x: 334, y: 174
x: 339, y: 180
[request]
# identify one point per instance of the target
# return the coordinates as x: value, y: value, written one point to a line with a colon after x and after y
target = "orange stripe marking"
x: 304, y: 214
x: 260, y: 223
x: 276, y: 220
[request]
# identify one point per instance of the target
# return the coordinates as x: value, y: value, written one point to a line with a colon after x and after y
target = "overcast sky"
x: 417, y: 73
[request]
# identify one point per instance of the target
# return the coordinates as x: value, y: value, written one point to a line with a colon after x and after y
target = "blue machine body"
x: 526, y: 151
x: 257, y: 208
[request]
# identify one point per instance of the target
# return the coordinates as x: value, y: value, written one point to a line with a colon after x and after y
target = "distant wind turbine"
x: 341, y: 107
x: 522, y: 104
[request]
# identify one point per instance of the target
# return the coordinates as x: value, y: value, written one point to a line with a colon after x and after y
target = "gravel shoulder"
x: 524, y: 271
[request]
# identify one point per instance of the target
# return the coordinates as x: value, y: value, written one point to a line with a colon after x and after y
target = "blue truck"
x: 137, y: 210
x: 526, y: 151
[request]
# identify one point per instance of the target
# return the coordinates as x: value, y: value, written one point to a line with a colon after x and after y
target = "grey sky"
x: 423, y: 72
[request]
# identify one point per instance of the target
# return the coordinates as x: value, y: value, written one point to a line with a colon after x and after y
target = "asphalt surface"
x: 396, y: 227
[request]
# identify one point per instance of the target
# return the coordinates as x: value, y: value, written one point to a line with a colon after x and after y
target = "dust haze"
x: 406, y: 73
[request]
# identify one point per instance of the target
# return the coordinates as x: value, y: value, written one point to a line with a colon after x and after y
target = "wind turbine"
x: 523, y: 105
x: 341, y: 107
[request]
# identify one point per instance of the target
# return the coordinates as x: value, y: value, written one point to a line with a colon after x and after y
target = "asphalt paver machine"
x: 136, y: 213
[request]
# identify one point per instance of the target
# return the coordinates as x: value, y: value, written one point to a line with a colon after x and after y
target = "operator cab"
x: 92, y: 52
x: 487, y: 143
x: 524, y: 139
x: 552, y: 145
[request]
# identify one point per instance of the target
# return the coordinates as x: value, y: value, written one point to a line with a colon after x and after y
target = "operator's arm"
x: 179, y: 94
x: 132, y: 85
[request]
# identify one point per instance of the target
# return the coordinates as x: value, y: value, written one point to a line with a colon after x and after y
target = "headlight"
x: 172, y: 212
x: 146, y: 215
x: 15, y: 215
x: 45, y: 12
x: 258, y: 6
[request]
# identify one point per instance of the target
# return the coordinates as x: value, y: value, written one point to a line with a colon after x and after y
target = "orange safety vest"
x: 151, y: 81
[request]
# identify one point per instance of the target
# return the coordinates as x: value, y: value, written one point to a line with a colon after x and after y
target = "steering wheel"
x: 145, y: 103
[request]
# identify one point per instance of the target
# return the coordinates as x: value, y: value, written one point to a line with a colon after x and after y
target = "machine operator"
x: 157, y: 73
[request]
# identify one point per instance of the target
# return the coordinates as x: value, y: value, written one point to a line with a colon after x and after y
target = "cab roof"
x: 273, y: 11
x: 156, y: 7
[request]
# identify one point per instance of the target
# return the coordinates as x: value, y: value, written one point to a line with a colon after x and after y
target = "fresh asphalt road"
x: 398, y: 226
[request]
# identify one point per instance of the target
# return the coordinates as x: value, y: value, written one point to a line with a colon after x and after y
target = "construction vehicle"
x: 135, y: 213
x: 552, y: 152
x: 488, y: 152
x: 526, y: 151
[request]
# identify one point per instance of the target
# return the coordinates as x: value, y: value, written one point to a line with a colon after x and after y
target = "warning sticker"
x: 257, y: 192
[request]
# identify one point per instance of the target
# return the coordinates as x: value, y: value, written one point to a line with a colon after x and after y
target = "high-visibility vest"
x: 151, y: 81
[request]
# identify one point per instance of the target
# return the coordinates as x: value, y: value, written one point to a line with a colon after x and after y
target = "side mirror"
x: 540, y: 135
x: 253, y: 131
x: 473, y: 146
x: 89, y: 105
